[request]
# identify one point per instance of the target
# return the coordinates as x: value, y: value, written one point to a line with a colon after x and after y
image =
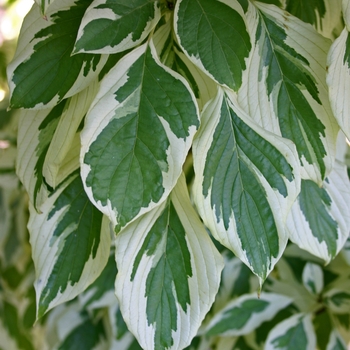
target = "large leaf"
x: 214, y: 36
x: 246, y: 181
x: 319, y: 220
x: 111, y: 26
x: 136, y: 136
x: 246, y: 313
x: 168, y: 273
x: 295, y: 332
x: 285, y: 89
x: 70, y: 242
x: 43, y: 71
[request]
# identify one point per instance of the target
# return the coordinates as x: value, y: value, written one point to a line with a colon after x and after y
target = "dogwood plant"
x: 117, y: 99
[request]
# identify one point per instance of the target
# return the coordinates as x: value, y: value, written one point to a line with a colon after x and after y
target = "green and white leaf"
x: 336, y: 342
x: 338, y: 80
x: 346, y: 13
x: 320, y: 218
x: 111, y: 26
x: 313, y: 278
x: 65, y: 133
x: 246, y: 181
x: 44, y: 4
x: 43, y: 71
x: 70, y: 242
x: 214, y: 36
x: 285, y: 89
x: 168, y: 273
x: 136, y: 136
x: 338, y: 298
x: 296, y: 332
x: 246, y: 313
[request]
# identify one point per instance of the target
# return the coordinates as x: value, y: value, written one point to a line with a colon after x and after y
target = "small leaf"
x: 336, y: 342
x: 243, y: 315
x: 313, y: 278
x: 319, y: 219
x: 245, y: 184
x: 198, y: 23
x: 293, y: 333
x: 70, y: 242
x: 111, y: 26
x: 128, y: 168
x: 43, y: 71
x: 169, y: 273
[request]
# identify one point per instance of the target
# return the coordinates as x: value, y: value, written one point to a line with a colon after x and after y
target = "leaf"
x: 246, y: 181
x: 111, y: 26
x: 284, y: 89
x: 336, y: 342
x: 338, y: 299
x: 313, y: 278
x: 319, y: 219
x: 295, y: 332
x: 70, y: 242
x: 246, y: 313
x: 169, y: 273
x: 338, y: 79
x: 44, y: 4
x: 129, y: 167
x: 43, y: 71
x: 198, y: 23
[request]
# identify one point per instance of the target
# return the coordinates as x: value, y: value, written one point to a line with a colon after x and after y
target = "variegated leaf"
x: 111, y: 26
x: 324, y: 15
x: 65, y: 133
x: 337, y: 299
x: 70, y: 242
x: 49, y: 144
x: 285, y: 90
x: 214, y: 36
x: 168, y: 273
x: 43, y: 71
x: 338, y: 79
x: 320, y: 218
x: 313, y: 278
x: 246, y: 181
x: 246, y: 313
x: 136, y: 136
x: 336, y: 342
x: 296, y: 332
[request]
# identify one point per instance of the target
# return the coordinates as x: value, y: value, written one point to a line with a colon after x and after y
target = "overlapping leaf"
x: 295, y: 332
x: 44, y: 4
x: 49, y: 144
x: 70, y: 242
x: 214, y: 36
x: 111, y: 26
x: 284, y: 88
x: 168, y: 273
x: 43, y: 71
x: 319, y: 220
x: 136, y: 136
x: 246, y: 181
x: 246, y: 313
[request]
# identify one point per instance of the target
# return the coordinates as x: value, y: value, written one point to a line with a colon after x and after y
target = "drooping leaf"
x: 284, y: 89
x: 246, y: 181
x: 43, y: 71
x: 313, y: 278
x: 319, y: 220
x: 111, y: 26
x: 70, y: 242
x: 246, y: 313
x: 136, y: 136
x: 214, y: 36
x: 168, y: 273
x: 295, y: 332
